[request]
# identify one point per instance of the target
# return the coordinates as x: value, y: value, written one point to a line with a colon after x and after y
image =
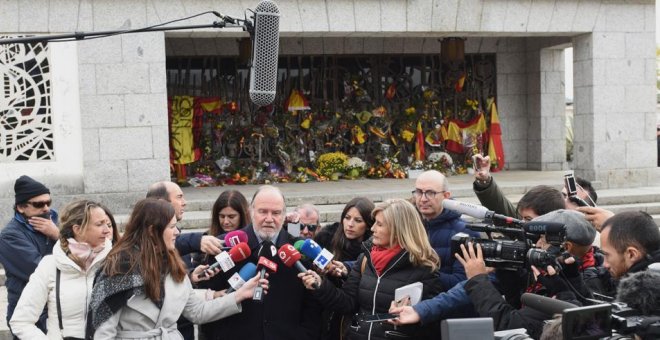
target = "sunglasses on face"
x: 310, y: 227
x: 39, y: 205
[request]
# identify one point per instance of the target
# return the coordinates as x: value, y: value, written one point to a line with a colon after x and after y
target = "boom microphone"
x: 479, y: 212
x: 291, y: 257
x: 263, y: 72
x: 227, y: 260
x: 544, y: 304
x: 237, y: 280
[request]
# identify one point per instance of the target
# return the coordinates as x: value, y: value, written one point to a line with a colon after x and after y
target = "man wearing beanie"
x: 28, y: 237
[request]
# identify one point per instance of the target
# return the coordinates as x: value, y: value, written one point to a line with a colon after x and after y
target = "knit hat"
x: 578, y: 229
x: 26, y: 188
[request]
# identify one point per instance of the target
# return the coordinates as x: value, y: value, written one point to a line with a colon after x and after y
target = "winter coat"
x: 75, y: 292
x: 287, y: 312
x: 367, y: 293
x: 21, y: 249
x: 440, y: 231
x: 493, y: 198
x: 141, y: 318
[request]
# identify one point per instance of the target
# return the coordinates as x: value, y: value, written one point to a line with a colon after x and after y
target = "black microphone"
x: 479, y: 212
x: 265, y: 49
x: 544, y: 304
x: 544, y: 227
x: 640, y: 291
x: 266, y: 263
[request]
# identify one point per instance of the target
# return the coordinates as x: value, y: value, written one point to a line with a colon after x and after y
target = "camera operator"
x: 630, y: 242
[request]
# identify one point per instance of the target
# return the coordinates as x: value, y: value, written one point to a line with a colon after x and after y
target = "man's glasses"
x: 40, y: 205
x: 310, y: 227
x: 430, y: 194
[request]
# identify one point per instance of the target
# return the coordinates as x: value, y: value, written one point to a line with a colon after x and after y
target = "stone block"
x: 393, y: 16
x: 609, y: 45
x: 312, y: 45
x: 444, y: 16
x: 553, y: 82
x: 147, y: 47
x: 33, y: 16
x: 431, y: 45
x: 557, y: 166
x: 624, y: 127
x: 291, y: 46
x: 609, y: 155
x: 9, y: 16
x: 109, y: 15
x: 114, y: 143
x: 108, y: 176
x: 534, y: 149
x: 553, y: 128
x: 179, y: 47
x: 502, y: 87
x: 515, y: 152
x: 493, y: 16
x: 540, y: 15
x: 373, y: 46
x: 202, y: 47
x: 472, y: 45
x: 622, y: 17
x: 517, y: 83
x: 516, y: 16
x: 625, y: 71
x: 625, y: 178
x: 649, y: 18
x: 553, y: 151
x: 585, y: 16
x: 146, y: 109
x: 290, y: 20
x: 162, y: 11
x: 63, y: 16
x: 583, y: 100
x: 583, y: 156
x: 333, y: 45
x: 419, y: 14
x: 413, y: 45
x: 393, y: 45
x: 87, y: 79
x: 650, y: 125
x: 354, y: 45
x: 653, y: 178
x: 341, y: 17
x: 102, y: 111
x: 562, y: 16
x: 157, y: 78
x: 640, y: 98
x: 100, y: 51
x: 469, y: 16
x: 583, y: 73
x: 143, y: 172
x: 583, y: 47
x: 488, y: 45
x: 161, y: 141
x: 122, y: 78
x: 640, y: 45
x: 90, y: 145
x: 367, y: 15
x: 229, y: 46
x: 313, y: 15
x: 650, y: 70
x: 600, y: 70
x: 510, y: 62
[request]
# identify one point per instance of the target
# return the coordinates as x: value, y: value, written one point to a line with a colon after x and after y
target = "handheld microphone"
x: 227, y: 260
x: 322, y: 257
x: 266, y: 256
x: 544, y: 304
x: 299, y: 245
x: 291, y: 257
x: 235, y: 237
x: 544, y: 227
x: 237, y: 280
x: 480, y: 212
x: 263, y: 72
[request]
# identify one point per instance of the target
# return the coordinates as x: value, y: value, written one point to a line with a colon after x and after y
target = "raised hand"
x: 481, y: 167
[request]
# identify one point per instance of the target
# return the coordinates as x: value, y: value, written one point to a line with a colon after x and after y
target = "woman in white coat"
x: 143, y: 287
x: 63, y: 281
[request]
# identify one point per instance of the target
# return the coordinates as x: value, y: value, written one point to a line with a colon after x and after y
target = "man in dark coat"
x: 288, y: 311
x: 431, y: 188
x: 28, y: 237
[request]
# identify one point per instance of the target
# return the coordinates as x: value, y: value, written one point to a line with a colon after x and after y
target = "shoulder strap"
x: 363, y: 265
x: 57, y: 299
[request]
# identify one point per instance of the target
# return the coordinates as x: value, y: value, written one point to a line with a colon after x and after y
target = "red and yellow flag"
x: 495, y: 150
x: 419, y: 143
x: 460, y: 82
x: 475, y: 126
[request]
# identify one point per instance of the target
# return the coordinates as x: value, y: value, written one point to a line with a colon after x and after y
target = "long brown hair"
x: 235, y: 200
x: 141, y: 248
x: 75, y: 213
x: 364, y: 206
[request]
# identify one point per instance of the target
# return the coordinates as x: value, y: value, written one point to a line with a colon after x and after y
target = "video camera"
x: 609, y: 321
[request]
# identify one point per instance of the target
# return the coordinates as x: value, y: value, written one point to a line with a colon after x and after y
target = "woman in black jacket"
x: 401, y: 254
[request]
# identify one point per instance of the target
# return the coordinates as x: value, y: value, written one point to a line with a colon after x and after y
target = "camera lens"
x: 540, y: 258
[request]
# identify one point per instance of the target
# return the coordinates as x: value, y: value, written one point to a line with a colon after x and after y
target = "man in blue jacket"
x: 431, y: 188
x: 28, y: 237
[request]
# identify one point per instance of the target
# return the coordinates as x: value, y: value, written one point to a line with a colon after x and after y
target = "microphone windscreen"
x: 235, y: 237
x: 641, y: 291
x: 310, y: 249
x: 248, y: 271
x: 465, y: 208
x: 263, y: 74
x: 289, y: 255
x: 240, y: 252
x: 544, y: 304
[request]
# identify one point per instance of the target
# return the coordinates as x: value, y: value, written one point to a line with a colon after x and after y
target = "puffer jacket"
x: 21, y: 249
x: 367, y: 293
x: 440, y: 231
x: 75, y: 293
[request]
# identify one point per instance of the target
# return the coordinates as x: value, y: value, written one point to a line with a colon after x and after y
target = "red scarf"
x: 588, y: 260
x: 380, y: 257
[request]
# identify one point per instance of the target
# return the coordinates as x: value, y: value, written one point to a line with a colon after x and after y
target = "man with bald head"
x: 431, y: 188
x: 288, y: 311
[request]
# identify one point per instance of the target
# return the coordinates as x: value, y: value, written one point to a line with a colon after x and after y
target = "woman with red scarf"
x: 401, y: 254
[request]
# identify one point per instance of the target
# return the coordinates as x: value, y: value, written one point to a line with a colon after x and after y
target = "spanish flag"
x: 475, y: 126
x: 419, y: 143
x: 495, y: 150
x: 460, y: 82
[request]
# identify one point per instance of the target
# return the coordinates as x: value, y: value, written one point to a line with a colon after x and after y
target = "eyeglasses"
x: 430, y: 194
x: 39, y: 205
x: 310, y: 227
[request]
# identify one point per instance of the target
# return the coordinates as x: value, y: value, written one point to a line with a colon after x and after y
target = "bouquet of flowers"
x: 440, y: 161
x: 355, y: 167
x: 332, y: 163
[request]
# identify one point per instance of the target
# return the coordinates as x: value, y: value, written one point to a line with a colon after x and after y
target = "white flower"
x: 438, y: 157
x: 356, y: 163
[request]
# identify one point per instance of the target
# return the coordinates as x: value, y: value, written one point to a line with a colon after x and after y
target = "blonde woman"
x: 401, y: 254
x: 63, y: 281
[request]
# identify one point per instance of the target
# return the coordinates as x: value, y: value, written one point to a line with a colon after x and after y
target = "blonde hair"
x: 75, y: 213
x: 407, y: 230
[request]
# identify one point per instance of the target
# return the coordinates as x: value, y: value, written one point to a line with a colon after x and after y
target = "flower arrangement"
x: 355, y: 167
x: 331, y: 163
x: 386, y: 168
x: 440, y: 161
